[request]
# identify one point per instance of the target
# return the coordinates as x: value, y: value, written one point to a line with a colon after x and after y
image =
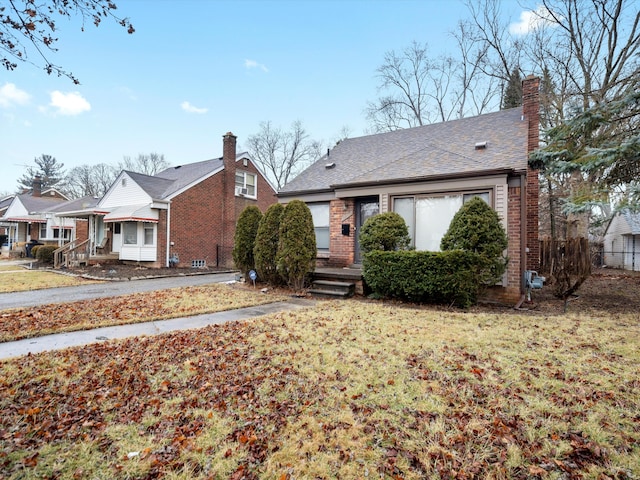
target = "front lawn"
x: 341, y: 390
x: 16, y: 324
x: 16, y: 279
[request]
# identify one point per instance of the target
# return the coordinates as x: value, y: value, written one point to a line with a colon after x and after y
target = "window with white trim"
x: 428, y: 216
x: 246, y: 184
x: 130, y: 233
x: 43, y: 231
x: 320, y: 215
x: 149, y: 234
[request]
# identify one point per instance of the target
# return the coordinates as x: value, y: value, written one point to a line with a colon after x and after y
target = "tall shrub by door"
x: 245, y: 237
x: 266, y: 247
x: 297, y: 251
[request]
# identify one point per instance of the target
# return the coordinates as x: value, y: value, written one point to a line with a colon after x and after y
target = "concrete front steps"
x: 332, y: 289
x: 336, y: 282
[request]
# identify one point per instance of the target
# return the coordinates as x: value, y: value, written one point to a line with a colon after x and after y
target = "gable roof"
x: 445, y: 149
x: 633, y: 220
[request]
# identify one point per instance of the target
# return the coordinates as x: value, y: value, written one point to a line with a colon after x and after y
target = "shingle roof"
x: 39, y: 204
x: 442, y: 149
x: 633, y: 219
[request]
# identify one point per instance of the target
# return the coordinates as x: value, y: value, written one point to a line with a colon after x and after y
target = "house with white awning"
x: 182, y: 216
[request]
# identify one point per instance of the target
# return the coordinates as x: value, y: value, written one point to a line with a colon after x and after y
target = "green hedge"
x: 427, y: 277
x: 44, y: 253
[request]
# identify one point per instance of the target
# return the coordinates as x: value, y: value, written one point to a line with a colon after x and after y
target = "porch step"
x: 332, y: 289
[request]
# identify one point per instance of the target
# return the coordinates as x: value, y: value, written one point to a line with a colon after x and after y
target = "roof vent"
x: 481, y: 145
x: 330, y: 165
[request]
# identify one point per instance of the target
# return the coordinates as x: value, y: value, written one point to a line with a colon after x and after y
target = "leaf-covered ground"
x: 341, y: 390
x: 29, y: 322
x: 16, y: 279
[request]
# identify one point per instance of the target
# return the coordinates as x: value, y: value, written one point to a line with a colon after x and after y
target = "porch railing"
x: 73, y: 253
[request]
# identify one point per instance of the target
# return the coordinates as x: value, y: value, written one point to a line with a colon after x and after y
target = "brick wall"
x: 531, y: 111
x: 341, y: 211
x: 203, y: 218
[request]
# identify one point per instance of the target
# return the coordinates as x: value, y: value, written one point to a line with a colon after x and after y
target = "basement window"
x: 198, y: 263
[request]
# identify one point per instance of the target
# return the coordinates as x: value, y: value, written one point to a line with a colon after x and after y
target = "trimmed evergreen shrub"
x: 44, y: 253
x: 476, y: 228
x: 297, y: 250
x: 266, y: 245
x: 245, y: 237
x: 420, y: 276
x: 34, y: 251
x: 385, y: 231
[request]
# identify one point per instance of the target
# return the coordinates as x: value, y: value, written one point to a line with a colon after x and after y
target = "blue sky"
x: 195, y: 69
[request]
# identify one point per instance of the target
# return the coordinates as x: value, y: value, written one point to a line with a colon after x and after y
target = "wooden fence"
x: 572, y: 255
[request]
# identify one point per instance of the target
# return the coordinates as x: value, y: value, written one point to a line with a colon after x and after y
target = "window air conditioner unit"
x: 241, y: 191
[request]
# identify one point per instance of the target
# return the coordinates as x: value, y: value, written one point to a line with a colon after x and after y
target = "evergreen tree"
x: 512, y: 96
x: 385, y: 231
x: 51, y: 173
x: 266, y: 245
x: 297, y: 250
x: 476, y: 228
x: 245, y: 238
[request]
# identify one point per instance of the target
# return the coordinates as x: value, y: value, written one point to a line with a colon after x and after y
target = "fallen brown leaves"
x: 29, y: 322
x: 346, y: 389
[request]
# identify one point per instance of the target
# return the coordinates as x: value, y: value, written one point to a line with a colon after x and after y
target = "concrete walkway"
x: 74, y: 339
x: 111, y: 289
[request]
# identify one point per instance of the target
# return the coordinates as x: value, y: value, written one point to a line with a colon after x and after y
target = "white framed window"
x: 246, y: 184
x: 320, y: 215
x: 43, y: 231
x: 130, y: 233
x: 149, y: 234
x: 66, y: 233
x: 428, y: 216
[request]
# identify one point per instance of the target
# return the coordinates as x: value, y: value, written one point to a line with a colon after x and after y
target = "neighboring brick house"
x: 425, y: 174
x: 184, y: 215
x: 27, y: 217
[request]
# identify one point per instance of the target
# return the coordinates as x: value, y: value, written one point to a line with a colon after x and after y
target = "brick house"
x: 426, y: 174
x: 183, y: 216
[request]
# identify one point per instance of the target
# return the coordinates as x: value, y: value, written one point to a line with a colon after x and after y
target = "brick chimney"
x: 229, y: 197
x: 36, y: 186
x: 531, y: 112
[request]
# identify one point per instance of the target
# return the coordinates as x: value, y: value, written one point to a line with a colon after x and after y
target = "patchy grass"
x: 341, y: 390
x: 17, y: 279
x: 16, y: 324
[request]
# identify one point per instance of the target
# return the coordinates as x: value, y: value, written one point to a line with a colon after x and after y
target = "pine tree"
x: 51, y: 173
x: 512, y: 96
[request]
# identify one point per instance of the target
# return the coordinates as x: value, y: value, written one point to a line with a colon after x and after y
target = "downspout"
x: 523, y: 239
x: 166, y: 262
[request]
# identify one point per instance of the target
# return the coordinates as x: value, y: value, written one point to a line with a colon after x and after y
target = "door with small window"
x: 365, y: 209
x: 116, y: 240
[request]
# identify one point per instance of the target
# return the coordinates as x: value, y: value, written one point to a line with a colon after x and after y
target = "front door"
x: 116, y: 239
x: 366, y: 208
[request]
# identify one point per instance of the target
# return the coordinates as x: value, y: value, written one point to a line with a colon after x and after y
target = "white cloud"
x: 253, y: 64
x: 71, y: 103
x: 187, y: 107
x: 531, y: 20
x: 12, y: 95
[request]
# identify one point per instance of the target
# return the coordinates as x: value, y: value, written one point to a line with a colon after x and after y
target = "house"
x: 425, y: 174
x: 27, y: 217
x: 622, y: 241
x: 183, y: 216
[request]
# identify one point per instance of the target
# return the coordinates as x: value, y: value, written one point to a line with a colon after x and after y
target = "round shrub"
x: 476, y: 228
x: 266, y: 245
x: 297, y: 250
x: 385, y: 231
x: 44, y: 253
x: 245, y: 237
